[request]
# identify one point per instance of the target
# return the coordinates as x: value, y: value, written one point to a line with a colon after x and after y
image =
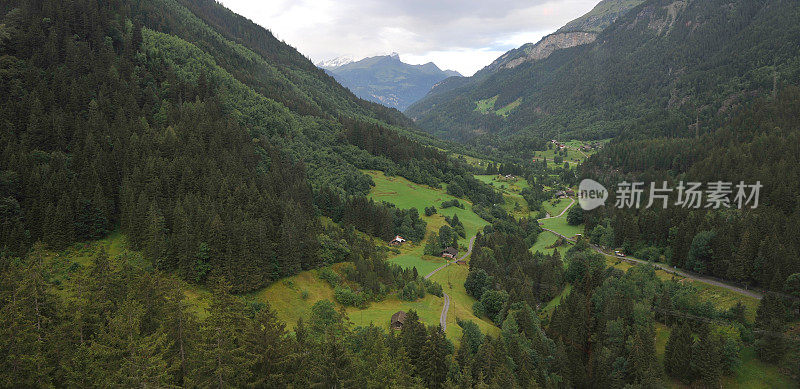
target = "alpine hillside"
x: 656, y: 70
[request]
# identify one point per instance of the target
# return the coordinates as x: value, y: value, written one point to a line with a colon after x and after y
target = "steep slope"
x: 578, y: 32
x: 601, y: 16
x: 656, y: 70
x: 201, y: 136
x: 387, y: 80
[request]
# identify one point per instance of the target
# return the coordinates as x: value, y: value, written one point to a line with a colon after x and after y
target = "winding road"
x: 446, y: 307
x: 694, y: 277
x: 562, y: 212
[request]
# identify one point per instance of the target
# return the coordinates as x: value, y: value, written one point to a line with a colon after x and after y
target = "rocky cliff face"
x: 546, y: 46
x: 543, y: 48
x: 601, y: 16
x: 578, y: 32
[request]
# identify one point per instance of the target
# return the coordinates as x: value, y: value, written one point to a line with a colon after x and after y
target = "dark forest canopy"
x: 757, y: 247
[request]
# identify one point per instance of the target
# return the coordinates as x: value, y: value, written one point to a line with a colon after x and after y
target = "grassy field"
x: 488, y: 106
x: 379, y: 313
x: 548, y: 309
x: 406, y: 194
x: 555, y: 206
x: 503, y: 111
x: 485, y: 105
x: 573, y: 156
x: 752, y: 373
x: 514, y: 185
x: 411, y: 256
x: 559, y: 225
x: 724, y: 299
x: 286, y: 296
x: 452, y: 280
x: 515, y: 204
x: 293, y: 297
x: 662, y: 335
x: 545, y: 240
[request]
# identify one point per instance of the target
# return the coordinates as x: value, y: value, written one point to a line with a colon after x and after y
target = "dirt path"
x: 446, y: 306
x: 675, y: 271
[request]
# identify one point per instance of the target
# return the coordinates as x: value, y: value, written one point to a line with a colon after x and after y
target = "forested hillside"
x: 193, y: 130
x: 756, y: 247
x: 655, y: 71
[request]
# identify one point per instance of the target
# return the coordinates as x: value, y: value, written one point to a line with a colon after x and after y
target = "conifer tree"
x: 272, y: 350
x: 678, y: 352
x: 222, y: 358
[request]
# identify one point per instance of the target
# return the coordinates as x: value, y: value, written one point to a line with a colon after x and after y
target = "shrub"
x: 412, y: 291
x: 429, y: 211
x: 478, y: 309
x: 433, y: 288
x: 452, y: 203
x: 327, y: 274
x: 477, y: 282
x: 493, y: 302
x: 348, y: 297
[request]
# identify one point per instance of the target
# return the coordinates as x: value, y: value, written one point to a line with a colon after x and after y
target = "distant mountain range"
x: 653, y: 67
x: 385, y: 79
x: 335, y: 62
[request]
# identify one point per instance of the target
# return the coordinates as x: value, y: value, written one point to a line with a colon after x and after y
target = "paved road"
x: 443, y: 316
x: 446, y: 306
x: 562, y: 212
x: 672, y: 270
x: 446, y: 264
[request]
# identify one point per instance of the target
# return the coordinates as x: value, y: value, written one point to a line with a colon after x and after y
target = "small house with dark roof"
x: 397, y: 320
x: 450, y: 252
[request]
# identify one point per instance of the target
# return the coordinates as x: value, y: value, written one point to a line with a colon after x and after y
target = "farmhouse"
x: 398, y: 240
x: 561, y: 194
x: 450, y: 252
x: 397, y: 320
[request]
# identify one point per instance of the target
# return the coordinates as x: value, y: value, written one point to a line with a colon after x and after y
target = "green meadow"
x: 555, y: 206
x: 547, y: 239
x: 406, y: 194
x: 452, y: 280
x: 488, y: 106
x: 559, y: 225
x: 514, y: 203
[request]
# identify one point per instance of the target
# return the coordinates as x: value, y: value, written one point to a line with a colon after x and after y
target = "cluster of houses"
x: 449, y: 252
x: 586, y: 147
x: 558, y: 144
x: 592, y: 146
x: 564, y: 193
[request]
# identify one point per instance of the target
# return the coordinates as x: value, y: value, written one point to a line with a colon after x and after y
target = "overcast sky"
x: 463, y: 35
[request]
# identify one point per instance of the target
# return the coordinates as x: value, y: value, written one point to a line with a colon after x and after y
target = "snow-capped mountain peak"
x: 335, y: 62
